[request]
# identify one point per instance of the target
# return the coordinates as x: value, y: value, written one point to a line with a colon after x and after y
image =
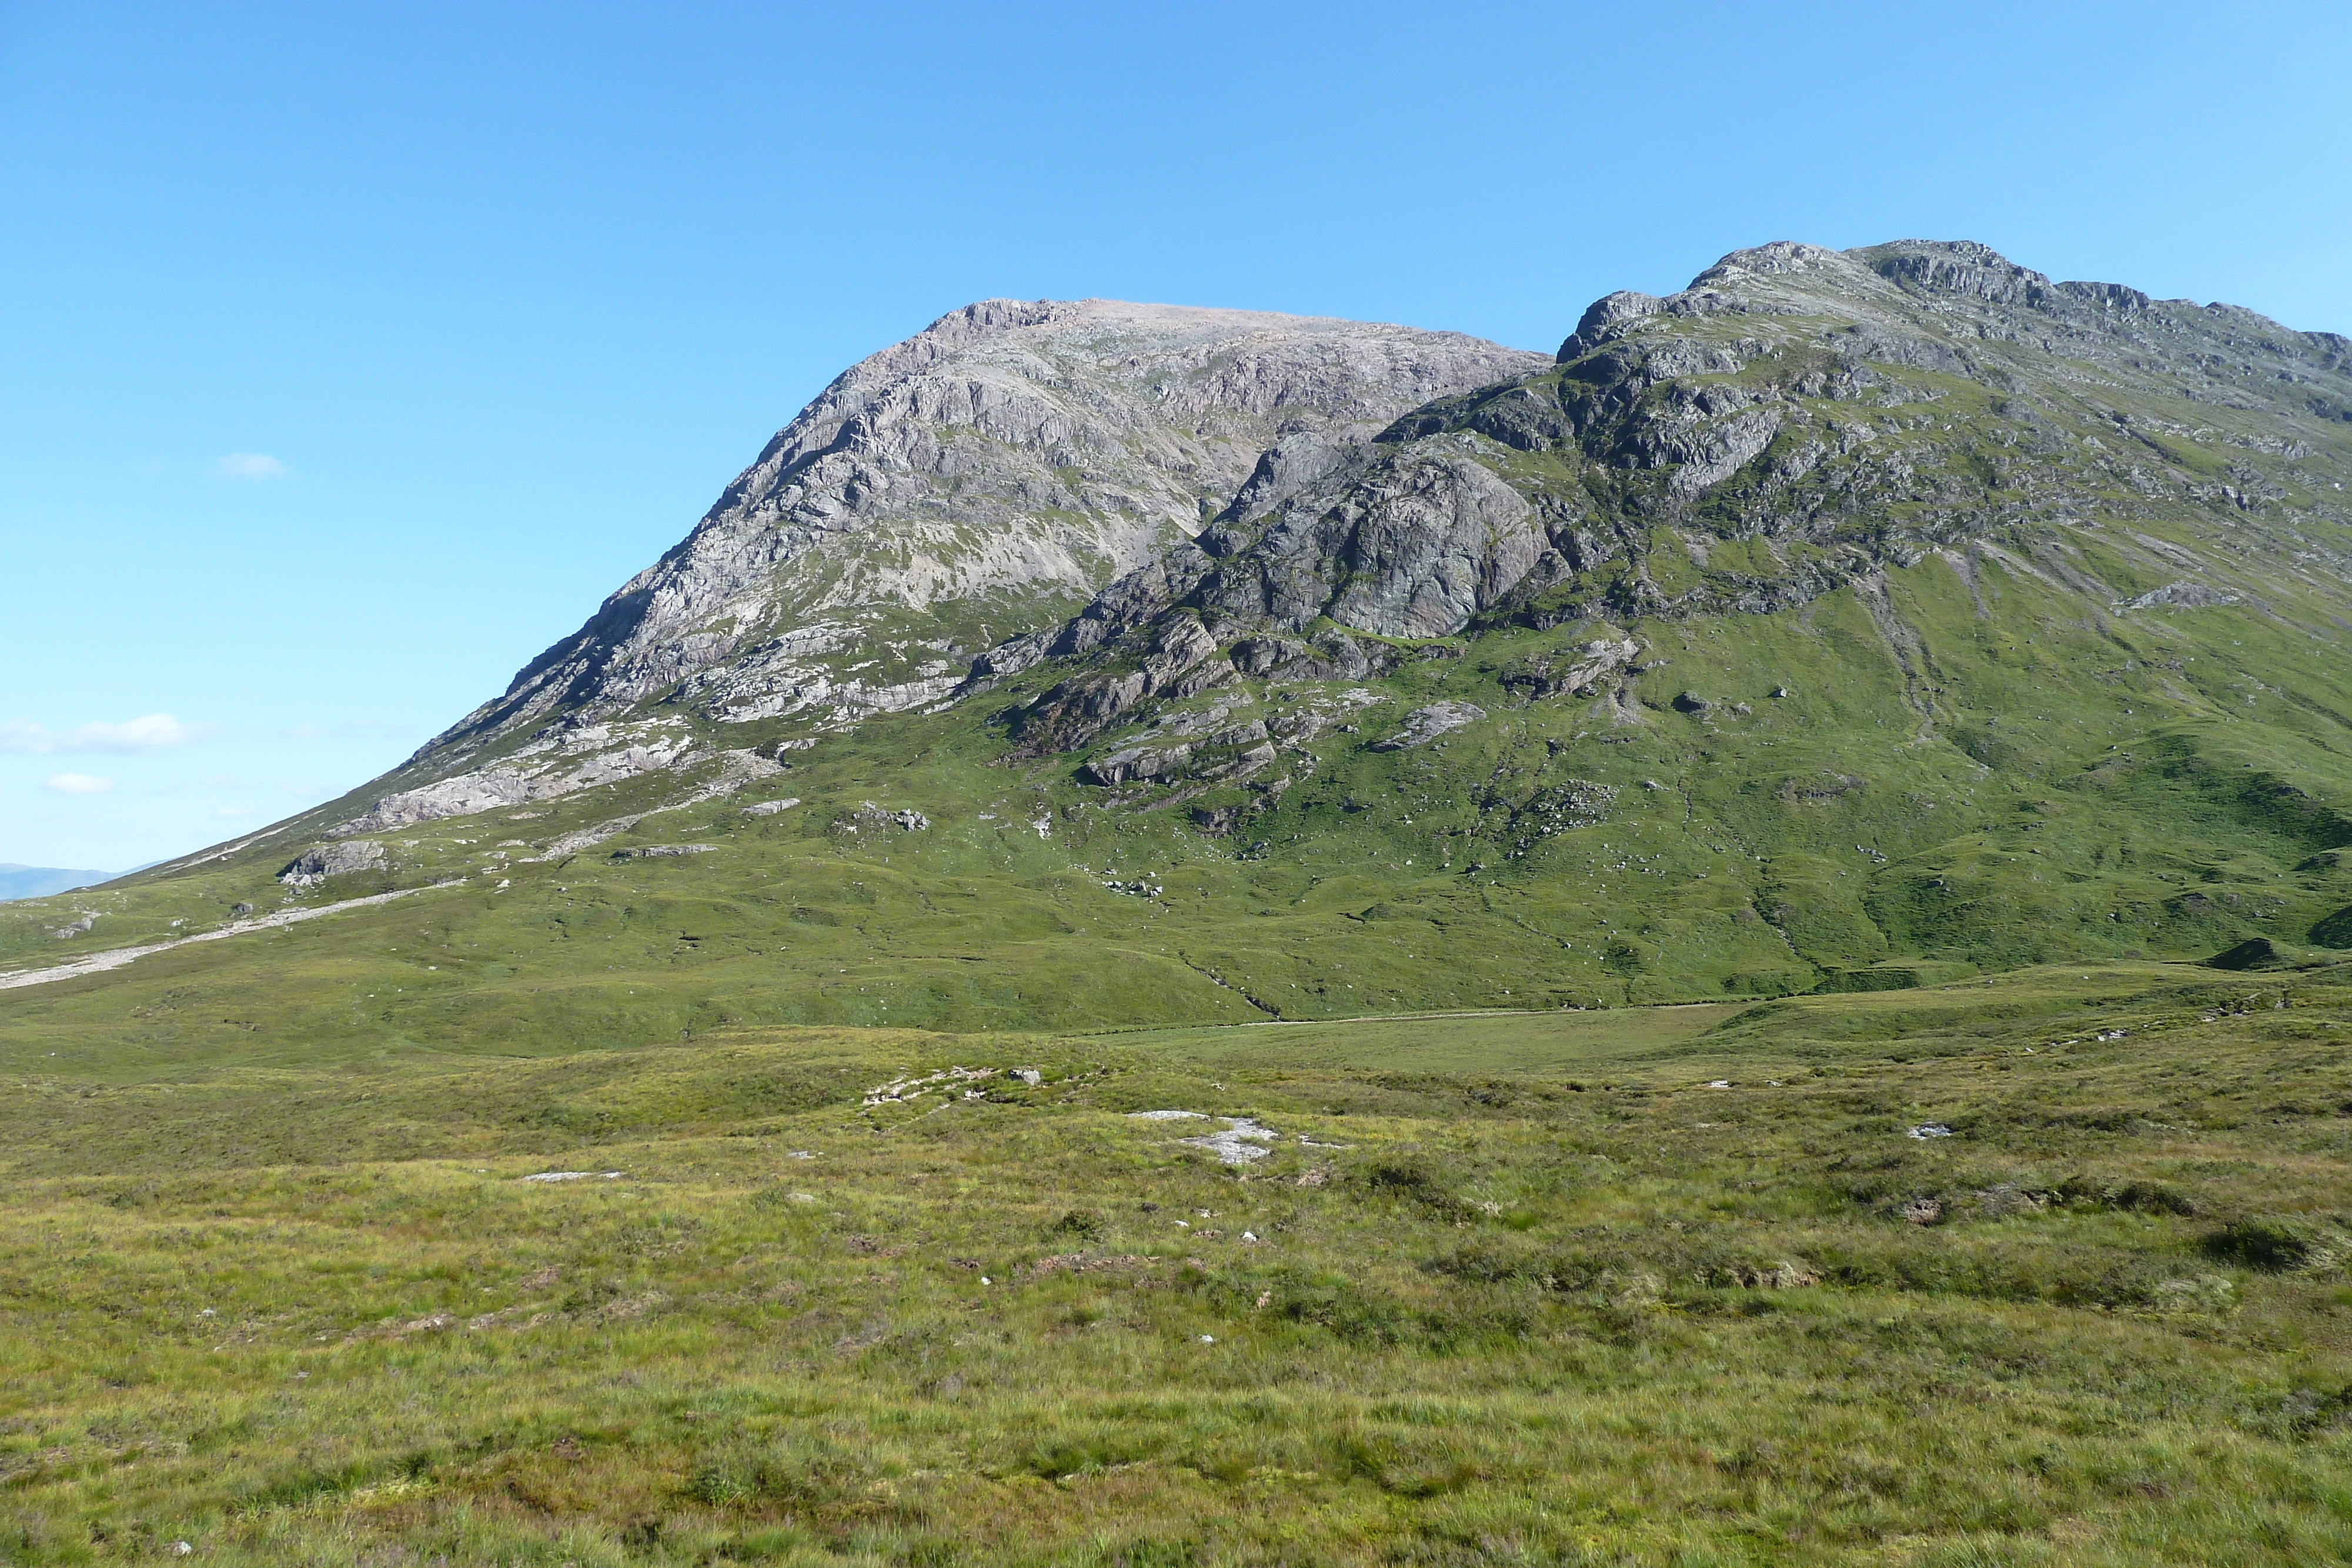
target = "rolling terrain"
x: 2042, y: 1270
x: 40, y: 881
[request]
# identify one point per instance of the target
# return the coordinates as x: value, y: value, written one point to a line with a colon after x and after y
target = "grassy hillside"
x: 2163, y: 787
x: 1506, y: 1289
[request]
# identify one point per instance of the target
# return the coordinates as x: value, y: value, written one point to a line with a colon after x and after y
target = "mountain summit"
x: 982, y: 478
x: 1007, y: 460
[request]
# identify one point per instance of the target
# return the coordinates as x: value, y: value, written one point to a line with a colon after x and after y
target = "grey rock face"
x: 1582, y: 670
x: 2189, y: 595
x: 1794, y: 401
x: 555, y: 764
x: 1424, y: 724
x: 314, y: 866
x: 871, y: 818
x: 1411, y: 546
x: 1194, y: 747
x: 459, y: 797
x: 968, y: 483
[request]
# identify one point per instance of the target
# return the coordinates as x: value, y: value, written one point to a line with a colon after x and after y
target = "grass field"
x: 1506, y: 1289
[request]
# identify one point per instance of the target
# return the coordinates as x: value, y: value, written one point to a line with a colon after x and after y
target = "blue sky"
x: 349, y: 355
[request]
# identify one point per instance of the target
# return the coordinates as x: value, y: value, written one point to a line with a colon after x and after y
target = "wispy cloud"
x: 228, y: 811
x: 152, y: 733
x: 250, y: 466
x: 79, y: 784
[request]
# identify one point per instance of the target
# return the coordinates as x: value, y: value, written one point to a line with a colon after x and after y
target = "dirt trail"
x: 115, y: 957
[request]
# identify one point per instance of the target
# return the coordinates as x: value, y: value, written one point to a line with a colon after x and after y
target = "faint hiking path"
x: 115, y: 957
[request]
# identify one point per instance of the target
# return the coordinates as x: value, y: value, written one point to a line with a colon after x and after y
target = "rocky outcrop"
x: 567, y: 758
x: 314, y: 866
x: 1795, y: 401
x: 460, y: 796
x: 870, y: 817
x: 1424, y: 724
x: 968, y: 482
x: 1195, y: 746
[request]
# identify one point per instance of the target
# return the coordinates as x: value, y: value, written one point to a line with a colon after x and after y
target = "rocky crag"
x: 982, y: 478
x: 1796, y: 421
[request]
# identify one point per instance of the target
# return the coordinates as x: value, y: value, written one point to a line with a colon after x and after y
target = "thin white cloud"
x: 79, y: 784
x: 226, y: 812
x: 250, y: 466
x: 152, y: 733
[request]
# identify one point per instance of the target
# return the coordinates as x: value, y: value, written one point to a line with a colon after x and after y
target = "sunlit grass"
x: 1527, y: 1291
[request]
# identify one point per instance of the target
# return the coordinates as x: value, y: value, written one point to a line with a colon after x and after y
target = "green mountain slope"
x: 1847, y: 621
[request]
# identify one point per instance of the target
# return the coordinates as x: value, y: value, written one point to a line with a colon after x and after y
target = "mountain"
x: 41, y: 881
x: 1846, y: 621
x: 983, y: 478
x: 1795, y: 422
x: 1007, y: 458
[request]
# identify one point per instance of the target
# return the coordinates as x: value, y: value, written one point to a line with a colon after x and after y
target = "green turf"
x: 1523, y: 1290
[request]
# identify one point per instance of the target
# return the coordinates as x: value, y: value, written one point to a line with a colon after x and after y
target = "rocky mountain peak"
x: 1847, y: 412
x: 983, y: 478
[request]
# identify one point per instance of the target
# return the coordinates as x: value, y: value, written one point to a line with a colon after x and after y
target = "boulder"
x: 314, y: 866
x: 1424, y: 724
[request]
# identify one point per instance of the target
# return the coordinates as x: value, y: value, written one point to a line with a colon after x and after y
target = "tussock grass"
x: 1522, y: 1288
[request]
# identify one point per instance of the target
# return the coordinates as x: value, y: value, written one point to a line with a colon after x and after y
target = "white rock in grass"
x: 1240, y: 1143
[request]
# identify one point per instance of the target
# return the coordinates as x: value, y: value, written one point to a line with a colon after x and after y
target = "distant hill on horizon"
x: 41, y: 881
